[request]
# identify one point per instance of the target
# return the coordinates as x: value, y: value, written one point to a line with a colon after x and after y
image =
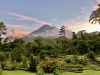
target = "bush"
x: 57, y: 72
x: 74, y: 67
x: 82, y: 61
x: 68, y: 59
x: 71, y: 59
x: 33, y: 63
x: 61, y: 65
x: 91, y: 56
x: 16, y: 55
x: 2, y: 60
x: 25, y: 64
x: 40, y: 72
x: 48, y: 65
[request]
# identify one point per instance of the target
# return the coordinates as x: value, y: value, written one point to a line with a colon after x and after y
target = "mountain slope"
x: 46, y: 31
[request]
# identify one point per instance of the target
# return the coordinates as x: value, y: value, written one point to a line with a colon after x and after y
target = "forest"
x: 51, y: 55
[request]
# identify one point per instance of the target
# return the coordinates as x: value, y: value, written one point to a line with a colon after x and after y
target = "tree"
x: 33, y: 63
x: 74, y: 35
x: 16, y: 43
x: 62, y: 32
x: 2, y: 59
x: 8, y: 39
x: 82, y: 34
x: 2, y: 30
x: 95, y: 16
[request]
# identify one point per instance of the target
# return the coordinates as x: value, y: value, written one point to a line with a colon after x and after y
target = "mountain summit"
x: 44, y: 28
x: 46, y: 31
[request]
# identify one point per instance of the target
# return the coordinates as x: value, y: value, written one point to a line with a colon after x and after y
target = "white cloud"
x: 79, y: 24
x: 28, y: 18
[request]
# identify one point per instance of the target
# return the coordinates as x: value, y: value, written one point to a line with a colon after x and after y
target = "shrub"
x: 40, y: 72
x: 74, y: 67
x: 10, y: 65
x: 68, y: 59
x: 48, y: 65
x: 82, y: 61
x: 25, y: 64
x: 71, y: 59
x: 91, y: 56
x: 2, y: 60
x: 33, y: 63
x: 61, y: 65
x: 16, y: 55
x: 75, y: 59
x: 57, y: 72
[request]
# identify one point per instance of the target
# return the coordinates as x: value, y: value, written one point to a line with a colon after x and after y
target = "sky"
x: 24, y: 16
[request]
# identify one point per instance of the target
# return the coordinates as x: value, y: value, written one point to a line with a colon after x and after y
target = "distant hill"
x: 46, y: 31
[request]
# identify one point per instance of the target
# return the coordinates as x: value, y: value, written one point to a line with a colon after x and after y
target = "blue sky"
x: 28, y: 15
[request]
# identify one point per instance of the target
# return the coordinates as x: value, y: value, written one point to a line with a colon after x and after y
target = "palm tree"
x: 95, y: 16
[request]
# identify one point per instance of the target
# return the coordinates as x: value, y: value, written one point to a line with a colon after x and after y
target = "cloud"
x: 78, y: 23
x: 19, y: 30
x: 75, y: 24
x: 28, y: 18
x: 81, y: 24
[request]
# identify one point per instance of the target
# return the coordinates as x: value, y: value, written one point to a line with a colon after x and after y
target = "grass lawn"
x: 87, y: 72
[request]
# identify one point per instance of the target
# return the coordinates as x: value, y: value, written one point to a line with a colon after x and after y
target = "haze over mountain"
x: 46, y: 31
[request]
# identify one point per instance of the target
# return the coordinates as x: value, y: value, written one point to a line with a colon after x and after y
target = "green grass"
x: 17, y: 73
x: 87, y: 72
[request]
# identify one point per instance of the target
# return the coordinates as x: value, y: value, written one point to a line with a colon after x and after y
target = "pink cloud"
x: 19, y: 30
x: 29, y: 18
x: 16, y: 31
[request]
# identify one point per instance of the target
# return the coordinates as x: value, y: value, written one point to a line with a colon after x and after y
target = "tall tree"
x: 82, y: 34
x: 74, y: 35
x: 2, y: 30
x: 95, y: 16
x: 62, y: 32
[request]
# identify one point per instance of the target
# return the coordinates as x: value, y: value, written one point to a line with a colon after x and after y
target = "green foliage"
x: 48, y: 65
x: 62, y: 32
x: 2, y: 60
x: 71, y: 59
x: 94, y: 17
x: 0, y: 72
x: 40, y: 72
x: 91, y: 56
x: 57, y: 72
x: 74, y: 35
x: 61, y: 65
x: 2, y: 30
x: 33, y: 63
x: 25, y: 64
x: 16, y: 55
x: 47, y: 51
x: 83, y: 61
